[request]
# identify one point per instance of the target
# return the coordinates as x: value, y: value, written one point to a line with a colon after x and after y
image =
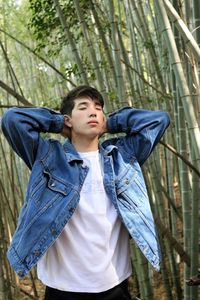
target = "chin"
x: 94, y: 135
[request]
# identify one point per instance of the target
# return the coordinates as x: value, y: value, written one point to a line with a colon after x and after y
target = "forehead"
x: 85, y: 100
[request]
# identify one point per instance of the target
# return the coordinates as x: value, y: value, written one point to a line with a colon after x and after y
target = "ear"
x: 67, y: 121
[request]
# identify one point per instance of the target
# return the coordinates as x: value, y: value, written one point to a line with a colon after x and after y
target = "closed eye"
x: 98, y: 107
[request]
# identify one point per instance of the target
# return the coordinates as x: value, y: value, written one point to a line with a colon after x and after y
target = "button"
x: 37, y: 253
x: 71, y: 210
x: 20, y: 273
x: 53, y: 231
x: 126, y: 181
x: 53, y: 184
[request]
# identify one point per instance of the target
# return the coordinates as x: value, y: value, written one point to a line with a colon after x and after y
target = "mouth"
x: 92, y: 122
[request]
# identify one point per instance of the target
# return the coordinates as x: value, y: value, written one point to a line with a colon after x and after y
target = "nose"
x: 92, y: 111
x: 92, y: 115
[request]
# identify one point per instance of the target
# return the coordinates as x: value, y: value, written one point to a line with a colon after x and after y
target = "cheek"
x: 103, y: 118
x: 78, y: 117
x: 78, y: 121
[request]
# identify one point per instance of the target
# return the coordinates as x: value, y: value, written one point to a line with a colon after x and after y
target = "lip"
x: 93, y: 122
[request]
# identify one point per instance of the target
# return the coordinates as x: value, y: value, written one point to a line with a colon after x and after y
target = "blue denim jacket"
x: 58, y: 174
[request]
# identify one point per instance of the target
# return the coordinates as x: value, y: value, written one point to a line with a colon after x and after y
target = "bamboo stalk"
x: 194, y: 232
x: 2, y: 278
x: 180, y: 77
x: 157, y: 198
x: 11, y: 72
x: 39, y: 56
x: 104, y: 42
x: 175, y: 244
x: 196, y: 13
x: 185, y: 192
x: 127, y: 63
x: 138, y: 7
x: 92, y: 53
x: 71, y: 41
x: 186, y: 161
x: 116, y: 52
x: 183, y: 29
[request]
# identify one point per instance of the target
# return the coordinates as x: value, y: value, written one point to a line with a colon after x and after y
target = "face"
x: 87, y: 118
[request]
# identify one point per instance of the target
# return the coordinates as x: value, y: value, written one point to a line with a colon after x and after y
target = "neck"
x: 85, y: 145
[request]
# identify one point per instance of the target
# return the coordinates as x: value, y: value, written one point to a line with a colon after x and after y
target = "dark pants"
x: 119, y: 292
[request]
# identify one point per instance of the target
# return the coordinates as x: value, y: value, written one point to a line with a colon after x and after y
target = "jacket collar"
x: 72, y: 154
x: 107, y: 150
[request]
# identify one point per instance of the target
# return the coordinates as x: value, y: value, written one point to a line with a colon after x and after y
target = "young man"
x: 84, y: 199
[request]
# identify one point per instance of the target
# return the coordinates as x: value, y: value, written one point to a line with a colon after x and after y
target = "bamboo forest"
x: 138, y: 53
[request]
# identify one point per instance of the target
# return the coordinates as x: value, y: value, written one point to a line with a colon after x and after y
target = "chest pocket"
x: 130, y: 187
x: 48, y: 188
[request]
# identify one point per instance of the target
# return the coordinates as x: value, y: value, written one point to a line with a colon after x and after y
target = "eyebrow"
x: 82, y: 103
x: 86, y: 103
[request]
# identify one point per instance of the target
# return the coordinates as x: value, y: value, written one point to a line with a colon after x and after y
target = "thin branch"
x: 12, y: 92
x: 149, y: 84
x: 175, y: 244
x: 40, y: 57
x: 186, y: 161
x: 11, y: 70
x: 171, y: 202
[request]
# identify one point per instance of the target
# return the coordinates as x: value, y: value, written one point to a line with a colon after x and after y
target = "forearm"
x: 22, y: 128
x: 143, y: 128
x: 133, y: 121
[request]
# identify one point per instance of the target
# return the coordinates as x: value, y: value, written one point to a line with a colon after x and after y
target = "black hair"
x: 67, y: 103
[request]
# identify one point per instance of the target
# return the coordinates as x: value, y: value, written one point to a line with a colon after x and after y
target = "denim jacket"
x: 58, y: 173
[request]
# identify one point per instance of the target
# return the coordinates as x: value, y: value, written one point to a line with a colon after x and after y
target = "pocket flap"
x: 57, y: 185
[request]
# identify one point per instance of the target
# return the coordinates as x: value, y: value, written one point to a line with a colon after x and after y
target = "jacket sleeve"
x: 143, y: 128
x: 22, y: 127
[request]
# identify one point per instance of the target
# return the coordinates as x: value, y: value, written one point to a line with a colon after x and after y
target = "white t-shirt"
x: 92, y: 253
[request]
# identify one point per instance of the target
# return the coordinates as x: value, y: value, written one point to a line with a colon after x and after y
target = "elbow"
x: 164, y: 119
x: 9, y: 119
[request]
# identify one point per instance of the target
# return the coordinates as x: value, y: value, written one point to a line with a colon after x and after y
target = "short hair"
x: 67, y: 103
